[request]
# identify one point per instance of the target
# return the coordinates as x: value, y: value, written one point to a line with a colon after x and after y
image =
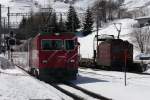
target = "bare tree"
x: 108, y: 9
x: 111, y: 8
x: 141, y: 37
x: 99, y: 9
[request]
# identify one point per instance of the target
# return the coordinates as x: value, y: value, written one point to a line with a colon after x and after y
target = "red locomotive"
x: 54, y: 56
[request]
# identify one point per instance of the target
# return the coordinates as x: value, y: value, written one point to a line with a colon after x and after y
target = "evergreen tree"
x: 73, y: 22
x: 30, y: 27
x: 88, y: 23
x: 22, y: 29
x: 23, y: 23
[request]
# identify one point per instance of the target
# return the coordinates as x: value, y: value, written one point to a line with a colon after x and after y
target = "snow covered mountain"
x: 62, y: 5
x: 26, y: 6
x: 56, y: 4
x: 134, y: 4
x: 138, y: 8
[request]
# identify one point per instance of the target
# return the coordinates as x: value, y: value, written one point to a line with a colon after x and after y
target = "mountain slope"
x: 26, y: 6
x: 134, y: 4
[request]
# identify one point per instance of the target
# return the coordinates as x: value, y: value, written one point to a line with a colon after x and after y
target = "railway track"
x: 118, y: 71
x: 71, y: 95
x: 111, y: 76
x: 78, y: 93
x: 87, y: 92
x: 142, y: 75
x: 84, y: 94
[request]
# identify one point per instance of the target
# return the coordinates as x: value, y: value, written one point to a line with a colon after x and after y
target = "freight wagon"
x: 113, y: 54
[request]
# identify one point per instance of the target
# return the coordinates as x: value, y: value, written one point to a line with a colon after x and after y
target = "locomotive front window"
x: 69, y: 44
x: 52, y: 44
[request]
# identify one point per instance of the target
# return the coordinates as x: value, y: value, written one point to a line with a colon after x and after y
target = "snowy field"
x: 16, y: 85
x: 111, y: 84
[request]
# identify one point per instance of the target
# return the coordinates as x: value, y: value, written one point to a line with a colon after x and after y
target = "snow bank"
x: 21, y: 87
x: 17, y: 85
x: 111, y: 84
x: 5, y: 64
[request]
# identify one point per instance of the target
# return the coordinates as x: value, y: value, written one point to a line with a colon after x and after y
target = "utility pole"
x: 0, y: 22
x: 125, y: 67
x: 0, y: 17
x: 8, y: 15
x: 97, y: 22
x: 4, y: 25
x: 4, y: 30
x: 8, y: 46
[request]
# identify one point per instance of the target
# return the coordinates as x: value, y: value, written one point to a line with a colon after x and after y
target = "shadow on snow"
x: 82, y: 80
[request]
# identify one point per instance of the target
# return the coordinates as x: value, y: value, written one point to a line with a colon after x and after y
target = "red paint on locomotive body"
x: 55, y: 55
x: 111, y: 54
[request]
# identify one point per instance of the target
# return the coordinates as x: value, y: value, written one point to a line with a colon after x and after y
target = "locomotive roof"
x: 116, y: 41
x: 61, y: 33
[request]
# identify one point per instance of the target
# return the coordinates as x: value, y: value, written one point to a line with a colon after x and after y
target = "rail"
x: 72, y: 95
x: 91, y: 94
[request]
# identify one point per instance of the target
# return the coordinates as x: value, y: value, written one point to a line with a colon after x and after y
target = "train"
x: 53, y: 56
x: 112, y: 54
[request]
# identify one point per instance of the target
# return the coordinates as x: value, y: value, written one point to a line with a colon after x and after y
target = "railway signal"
x: 10, y: 42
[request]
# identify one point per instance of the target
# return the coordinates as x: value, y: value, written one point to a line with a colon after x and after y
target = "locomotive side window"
x: 69, y: 44
x: 46, y: 44
x: 52, y: 44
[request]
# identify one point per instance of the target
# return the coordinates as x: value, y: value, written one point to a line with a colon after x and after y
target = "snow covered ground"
x: 111, y: 84
x: 16, y: 85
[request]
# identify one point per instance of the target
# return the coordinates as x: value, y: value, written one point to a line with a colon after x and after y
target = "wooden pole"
x: 125, y: 67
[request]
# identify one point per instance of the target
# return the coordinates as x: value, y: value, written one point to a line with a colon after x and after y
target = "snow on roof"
x: 143, y: 17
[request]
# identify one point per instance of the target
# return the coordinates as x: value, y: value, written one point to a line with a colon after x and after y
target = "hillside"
x: 25, y: 6
x: 133, y: 4
x: 79, y: 4
x: 126, y: 29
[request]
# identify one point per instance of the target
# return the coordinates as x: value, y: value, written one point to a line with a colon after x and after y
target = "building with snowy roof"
x: 143, y: 21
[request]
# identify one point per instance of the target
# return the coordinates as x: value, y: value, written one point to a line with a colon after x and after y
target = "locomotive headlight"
x: 57, y: 33
x: 44, y: 61
x: 72, y: 61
